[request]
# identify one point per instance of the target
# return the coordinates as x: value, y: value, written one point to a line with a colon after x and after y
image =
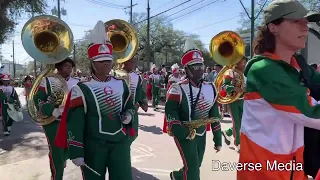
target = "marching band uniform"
x: 172, y: 79
x: 96, y: 119
x: 139, y: 99
x: 57, y: 156
x: 154, y: 80
x: 149, y: 87
x: 7, y: 95
x: 235, y: 109
x: 178, y: 110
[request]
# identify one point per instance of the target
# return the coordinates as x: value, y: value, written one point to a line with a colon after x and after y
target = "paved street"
x: 23, y: 155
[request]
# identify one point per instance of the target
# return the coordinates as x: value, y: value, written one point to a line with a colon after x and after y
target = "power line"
x: 163, y: 12
x: 218, y: 22
x: 195, y: 10
x: 185, y: 8
x: 162, y: 5
x: 106, y: 4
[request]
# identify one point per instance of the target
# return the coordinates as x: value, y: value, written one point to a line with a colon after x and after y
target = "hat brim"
x: 103, y: 59
x: 195, y: 61
x: 311, y: 16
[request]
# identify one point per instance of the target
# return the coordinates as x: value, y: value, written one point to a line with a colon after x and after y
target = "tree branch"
x: 261, y: 8
x: 245, y: 9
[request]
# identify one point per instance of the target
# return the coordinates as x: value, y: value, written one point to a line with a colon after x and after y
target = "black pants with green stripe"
x: 57, y: 156
x: 191, y: 152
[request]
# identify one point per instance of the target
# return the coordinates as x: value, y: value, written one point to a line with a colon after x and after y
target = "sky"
x: 82, y: 15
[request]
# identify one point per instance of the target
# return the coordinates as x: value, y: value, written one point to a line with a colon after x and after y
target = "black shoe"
x: 226, y: 139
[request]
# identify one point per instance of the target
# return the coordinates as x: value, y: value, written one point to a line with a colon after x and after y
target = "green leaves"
x: 11, y: 10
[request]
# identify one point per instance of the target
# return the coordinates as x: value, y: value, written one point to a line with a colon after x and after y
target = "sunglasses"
x: 198, y: 67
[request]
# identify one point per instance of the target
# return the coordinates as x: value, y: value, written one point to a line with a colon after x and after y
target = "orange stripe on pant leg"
x: 253, y: 153
x: 183, y: 159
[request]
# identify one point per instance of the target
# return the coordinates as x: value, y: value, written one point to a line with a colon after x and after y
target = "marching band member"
x: 235, y: 109
x: 97, y: 116
x: 57, y: 156
x: 137, y: 93
x: 27, y: 85
x: 174, y: 78
x: 277, y: 105
x: 188, y: 100
x: 154, y: 80
x: 149, y: 86
x: 8, y: 95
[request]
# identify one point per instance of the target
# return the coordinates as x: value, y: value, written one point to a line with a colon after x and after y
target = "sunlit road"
x: 23, y: 155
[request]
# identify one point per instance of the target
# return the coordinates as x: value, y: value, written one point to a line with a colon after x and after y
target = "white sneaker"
x: 6, y: 133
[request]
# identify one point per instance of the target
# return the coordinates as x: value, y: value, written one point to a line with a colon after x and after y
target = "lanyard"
x: 193, y: 104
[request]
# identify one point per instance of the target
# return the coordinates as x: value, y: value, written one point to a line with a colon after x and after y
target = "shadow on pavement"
x: 226, y: 121
x: 139, y: 175
x: 145, y: 114
x: 152, y: 129
x: 18, y: 136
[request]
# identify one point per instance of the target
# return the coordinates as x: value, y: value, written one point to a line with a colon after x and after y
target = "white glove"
x: 126, y: 118
x: 57, y: 112
x: 78, y: 161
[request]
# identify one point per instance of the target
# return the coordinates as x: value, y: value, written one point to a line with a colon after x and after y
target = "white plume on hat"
x: 153, y: 66
x: 98, y: 34
x: 189, y: 44
x: 174, y: 66
x: 4, y: 69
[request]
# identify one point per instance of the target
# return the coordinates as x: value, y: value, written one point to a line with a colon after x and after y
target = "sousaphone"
x: 48, y: 40
x: 227, y: 49
x: 124, y: 40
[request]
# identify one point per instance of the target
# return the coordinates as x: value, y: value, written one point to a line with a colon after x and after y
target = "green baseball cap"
x: 288, y: 9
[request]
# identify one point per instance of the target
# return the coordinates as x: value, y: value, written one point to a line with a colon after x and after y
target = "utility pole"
x: 252, y: 18
x: 148, y: 37
x: 74, y: 57
x: 13, y: 61
x: 131, y: 6
x: 34, y: 61
x: 59, y: 13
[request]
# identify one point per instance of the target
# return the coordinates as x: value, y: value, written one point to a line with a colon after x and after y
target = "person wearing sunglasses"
x: 189, y: 100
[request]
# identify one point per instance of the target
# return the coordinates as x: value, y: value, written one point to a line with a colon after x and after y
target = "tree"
x: 166, y: 44
x: 245, y: 22
x: 11, y: 10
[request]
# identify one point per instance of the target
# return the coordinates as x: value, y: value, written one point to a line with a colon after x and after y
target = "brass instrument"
x: 195, y: 124
x: 124, y: 40
x: 48, y: 40
x: 227, y: 48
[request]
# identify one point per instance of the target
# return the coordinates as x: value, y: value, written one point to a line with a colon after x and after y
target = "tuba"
x: 48, y: 40
x: 227, y: 48
x: 124, y: 40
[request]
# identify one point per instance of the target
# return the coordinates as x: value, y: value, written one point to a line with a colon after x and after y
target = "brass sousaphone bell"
x: 227, y: 48
x: 124, y: 40
x: 48, y: 40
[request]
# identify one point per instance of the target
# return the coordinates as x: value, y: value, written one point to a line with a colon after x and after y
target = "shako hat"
x: 192, y: 55
x: 153, y: 67
x: 175, y: 68
x: 100, y: 48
